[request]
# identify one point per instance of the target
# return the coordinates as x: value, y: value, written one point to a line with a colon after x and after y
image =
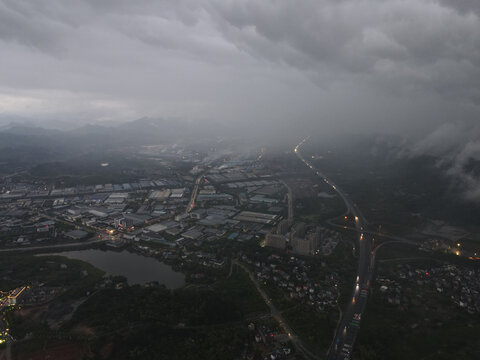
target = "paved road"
x: 376, y: 233
x: 276, y: 314
x: 56, y: 246
x: 348, y: 326
x: 191, y: 204
x: 93, y: 240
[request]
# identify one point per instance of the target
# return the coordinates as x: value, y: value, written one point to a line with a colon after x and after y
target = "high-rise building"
x: 277, y: 241
x: 301, y: 246
x: 282, y: 227
x: 316, y: 239
x: 299, y: 230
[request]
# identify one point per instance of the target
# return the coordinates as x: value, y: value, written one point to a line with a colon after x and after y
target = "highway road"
x: 374, y: 233
x: 348, y: 327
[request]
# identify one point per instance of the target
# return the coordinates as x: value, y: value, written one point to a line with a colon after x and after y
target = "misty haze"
x: 218, y: 179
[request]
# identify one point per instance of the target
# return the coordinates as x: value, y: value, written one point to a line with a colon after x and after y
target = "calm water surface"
x: 136, y: 268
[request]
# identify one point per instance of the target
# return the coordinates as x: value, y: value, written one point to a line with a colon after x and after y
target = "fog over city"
x: 403, y: 67
x: 239, y: 179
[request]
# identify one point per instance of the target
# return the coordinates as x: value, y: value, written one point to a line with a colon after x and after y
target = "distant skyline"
x: 402, y: 66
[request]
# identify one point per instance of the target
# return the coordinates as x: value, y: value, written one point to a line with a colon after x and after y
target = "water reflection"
x: 136, y: 268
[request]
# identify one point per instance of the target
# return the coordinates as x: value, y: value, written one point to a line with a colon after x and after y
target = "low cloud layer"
x: 393, y: 65
x: 456, y: 146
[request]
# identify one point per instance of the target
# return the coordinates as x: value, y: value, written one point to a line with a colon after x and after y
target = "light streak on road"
x: 349, y: 323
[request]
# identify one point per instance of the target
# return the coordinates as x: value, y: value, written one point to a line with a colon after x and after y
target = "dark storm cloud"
x: 463, y: 6
x: 22, y: 23
x: 390, y: 64
x: 395, y: 43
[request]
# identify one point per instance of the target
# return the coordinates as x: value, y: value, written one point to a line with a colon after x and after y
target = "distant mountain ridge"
x: 27, y: 138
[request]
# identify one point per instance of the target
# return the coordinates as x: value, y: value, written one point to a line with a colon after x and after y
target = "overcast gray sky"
x: 388, y: 64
